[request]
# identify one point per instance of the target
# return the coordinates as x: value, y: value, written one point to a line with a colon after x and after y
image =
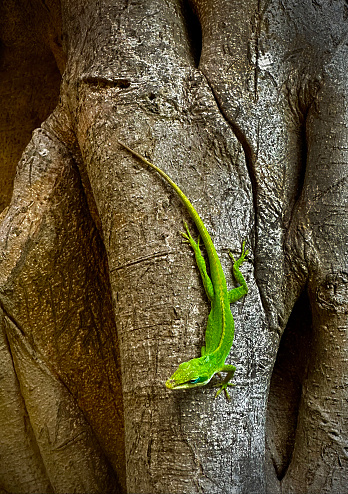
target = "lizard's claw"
x: 188, y: 238
x: 187, y: 229
x: 231, y: 256
x: 244, y: 252
x: 242, y: 256
x: 223, y: 387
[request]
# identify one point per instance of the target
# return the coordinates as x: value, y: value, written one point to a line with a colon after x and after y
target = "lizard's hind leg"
x: 237, y: 293
x: 208, y: 285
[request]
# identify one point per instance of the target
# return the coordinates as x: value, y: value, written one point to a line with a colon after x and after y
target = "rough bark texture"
x: 244, y: 105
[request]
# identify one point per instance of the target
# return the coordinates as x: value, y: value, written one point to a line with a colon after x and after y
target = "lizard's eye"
x: 197, y: 380
x: 194, y: 381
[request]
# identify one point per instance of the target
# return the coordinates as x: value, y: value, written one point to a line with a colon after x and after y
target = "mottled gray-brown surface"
x: 244, y: 105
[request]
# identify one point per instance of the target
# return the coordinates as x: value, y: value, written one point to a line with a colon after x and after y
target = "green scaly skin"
x: 220, y: 328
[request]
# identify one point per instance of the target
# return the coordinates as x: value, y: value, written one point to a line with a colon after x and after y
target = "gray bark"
x: 244, y: 105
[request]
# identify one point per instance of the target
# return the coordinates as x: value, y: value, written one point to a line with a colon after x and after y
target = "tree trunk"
x: 244, y: 106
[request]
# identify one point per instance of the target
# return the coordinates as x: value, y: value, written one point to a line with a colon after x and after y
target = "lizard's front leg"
x: 230, y: 369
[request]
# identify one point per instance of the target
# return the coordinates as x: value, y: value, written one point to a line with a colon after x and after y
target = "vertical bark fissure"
x: 25, y: 412
x: 193, y: 31
x: 250, y: 164
x: 257, y: 49
x: 289, y: 373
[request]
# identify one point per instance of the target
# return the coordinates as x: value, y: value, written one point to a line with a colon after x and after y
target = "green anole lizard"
x: 220, y: 328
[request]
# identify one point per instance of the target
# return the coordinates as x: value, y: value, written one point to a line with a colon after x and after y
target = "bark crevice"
x: 289, y: 374
x: 193, y: 31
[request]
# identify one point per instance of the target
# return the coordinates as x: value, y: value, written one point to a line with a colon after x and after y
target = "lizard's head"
x: 191, y: 374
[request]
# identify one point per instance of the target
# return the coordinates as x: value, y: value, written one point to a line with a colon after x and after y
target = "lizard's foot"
x: 188, y: 238
x: 242, y: 256
x: 223, y: 387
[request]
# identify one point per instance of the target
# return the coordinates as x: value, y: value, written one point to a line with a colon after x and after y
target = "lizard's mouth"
x: 171, y: 384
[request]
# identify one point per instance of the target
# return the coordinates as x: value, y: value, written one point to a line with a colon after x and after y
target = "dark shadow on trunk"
x: 286, y: 386
x: 29, y: 82
x: 193, y: 30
